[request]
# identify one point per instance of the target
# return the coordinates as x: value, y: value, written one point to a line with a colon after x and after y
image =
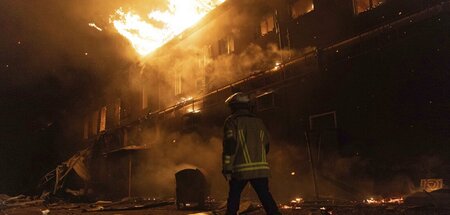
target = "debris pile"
x: 415, y: 204
x: 18, y: 201
x: 246, y: 207
x: 54, y: 180
x: 128, y: 204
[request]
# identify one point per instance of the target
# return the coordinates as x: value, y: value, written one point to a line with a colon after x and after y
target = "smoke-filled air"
x: 113, y: 49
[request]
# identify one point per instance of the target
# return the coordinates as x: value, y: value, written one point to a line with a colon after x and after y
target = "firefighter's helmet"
x: 237, y: 98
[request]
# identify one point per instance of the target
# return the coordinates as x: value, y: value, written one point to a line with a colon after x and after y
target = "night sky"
x: 52, y: 63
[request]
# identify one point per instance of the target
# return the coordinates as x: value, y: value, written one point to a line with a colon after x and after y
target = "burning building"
x: 354, y: 93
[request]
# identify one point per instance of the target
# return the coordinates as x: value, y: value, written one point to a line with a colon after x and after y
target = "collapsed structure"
x: 352, y: 91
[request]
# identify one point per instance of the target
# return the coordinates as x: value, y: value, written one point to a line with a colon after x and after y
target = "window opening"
x: 267, y: 24
x: 102, y: 126
x: 301, y: 7
x: 365, y: 5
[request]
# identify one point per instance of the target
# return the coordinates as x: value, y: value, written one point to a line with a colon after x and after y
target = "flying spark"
x: 95, y: 26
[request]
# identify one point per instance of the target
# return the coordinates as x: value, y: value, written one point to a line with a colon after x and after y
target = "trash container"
x: 192, y: 188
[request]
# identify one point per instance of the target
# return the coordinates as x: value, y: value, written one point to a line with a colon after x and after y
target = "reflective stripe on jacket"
x: 245, y: 145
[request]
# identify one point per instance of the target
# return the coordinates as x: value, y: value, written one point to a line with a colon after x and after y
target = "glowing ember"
x: 297, y: 200
x: 286, y: 207
x: 276, y: 67
x: 395, y: 200
x: 371, y: 201
x: 146, y: 37
x: 192, y: 110
x: 184, y: 100
x: 95, y: 26
x: 311, y: 8
x: 295, y: 204
x: 384, y: 201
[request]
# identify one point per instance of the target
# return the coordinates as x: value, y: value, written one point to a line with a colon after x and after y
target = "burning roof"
x: 146, y: 34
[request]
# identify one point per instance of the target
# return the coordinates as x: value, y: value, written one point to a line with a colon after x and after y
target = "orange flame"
x: 384, y: 201
x: 146, y: 37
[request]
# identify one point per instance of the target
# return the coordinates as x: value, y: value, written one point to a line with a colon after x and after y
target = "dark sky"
x: 52, y: 63
x: 50, y: 58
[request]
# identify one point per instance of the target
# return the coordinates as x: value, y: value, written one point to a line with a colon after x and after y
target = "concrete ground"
x: 73, y: 209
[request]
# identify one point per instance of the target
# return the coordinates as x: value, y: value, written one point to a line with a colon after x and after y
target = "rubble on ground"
x: 18, y: 201
x: 420, y: 203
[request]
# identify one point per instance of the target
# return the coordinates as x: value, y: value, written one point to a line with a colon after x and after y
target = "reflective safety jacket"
x: 245, y: 146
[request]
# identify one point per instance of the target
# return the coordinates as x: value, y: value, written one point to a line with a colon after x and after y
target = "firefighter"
x: 245, y: 146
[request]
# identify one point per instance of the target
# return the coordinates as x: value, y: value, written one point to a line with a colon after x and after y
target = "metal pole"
x: 319, y: 144
x: 280, y: 42
x: 129, y: 174
x: 313, y: 169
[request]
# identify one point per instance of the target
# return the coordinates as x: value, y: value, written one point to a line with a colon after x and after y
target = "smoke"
x: 336, y: 176
x: 171, y: 152
x: 291, y: 175
x: 289, y: 178
x: 228, y: 68
x: 200, y: 73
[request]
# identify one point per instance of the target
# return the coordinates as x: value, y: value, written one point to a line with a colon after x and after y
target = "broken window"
x: 226, y: 45
x: 323, y: 136
x: 267, y: 24
x: 203, y: 61
x: 102, y: 126
x: 205, y: 56
x: 324, y: 121
x: 113, y: 114
x: 301, y: 7
x: 191, y: 117
x: 266, y: 101
x: 117, y: 110
x: 222, y: 46
x: 214, y: 50
x: 230, y: 44
x: 365, y: 5
x: 208, y: 53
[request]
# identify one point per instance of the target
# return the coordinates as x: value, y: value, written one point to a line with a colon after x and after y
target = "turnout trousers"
x: 261, y: 187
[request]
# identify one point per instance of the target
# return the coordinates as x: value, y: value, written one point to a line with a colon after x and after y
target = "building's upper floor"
x: 238, y: 39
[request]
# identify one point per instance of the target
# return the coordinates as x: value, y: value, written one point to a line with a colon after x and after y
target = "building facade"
x: 354, y: 91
